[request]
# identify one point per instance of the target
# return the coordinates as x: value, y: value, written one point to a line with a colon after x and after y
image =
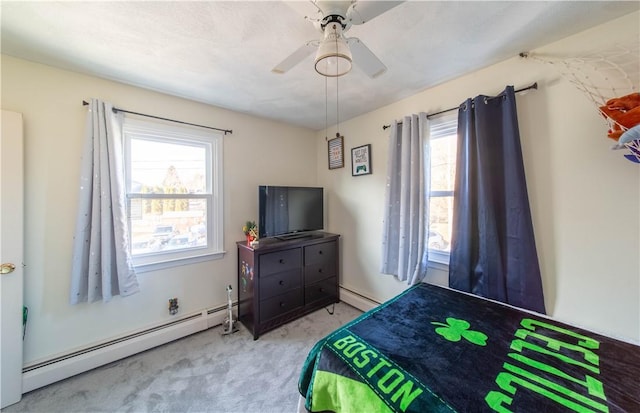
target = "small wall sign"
x: 361, y: 160
x: 336, y: 152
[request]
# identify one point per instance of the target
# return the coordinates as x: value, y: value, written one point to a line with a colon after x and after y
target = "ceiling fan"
x: 335, y: 52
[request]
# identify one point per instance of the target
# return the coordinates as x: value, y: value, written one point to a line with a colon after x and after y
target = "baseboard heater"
x: 58, y: 368
x: 357, y: 300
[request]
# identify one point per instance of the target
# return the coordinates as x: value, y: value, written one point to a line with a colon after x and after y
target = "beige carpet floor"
x: 205, y: 372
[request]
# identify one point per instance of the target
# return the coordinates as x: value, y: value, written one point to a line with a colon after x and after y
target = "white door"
x: 11, y: 257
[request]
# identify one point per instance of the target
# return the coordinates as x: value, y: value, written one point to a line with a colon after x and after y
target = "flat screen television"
x: 289, y: 211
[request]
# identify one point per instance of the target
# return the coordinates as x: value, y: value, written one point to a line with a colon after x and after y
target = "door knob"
x: 7, y: 268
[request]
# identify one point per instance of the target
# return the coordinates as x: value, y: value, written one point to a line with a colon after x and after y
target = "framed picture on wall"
x: 336, y: 152
x: 361, y: 160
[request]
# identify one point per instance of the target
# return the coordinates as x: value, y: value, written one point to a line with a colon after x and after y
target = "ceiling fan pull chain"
x: 326, y: 108
x: 337, y: 109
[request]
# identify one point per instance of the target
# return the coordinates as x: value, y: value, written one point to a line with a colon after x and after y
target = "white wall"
x: 584, y: 197
x: 54, y: 119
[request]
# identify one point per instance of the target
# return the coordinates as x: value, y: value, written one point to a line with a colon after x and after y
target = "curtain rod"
x: 116, y: 110
x: 533, y: 86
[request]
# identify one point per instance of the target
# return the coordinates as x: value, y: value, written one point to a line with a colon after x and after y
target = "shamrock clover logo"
x: 456, y: 329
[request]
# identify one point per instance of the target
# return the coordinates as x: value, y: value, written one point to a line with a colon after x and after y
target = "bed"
x: 433, y: 349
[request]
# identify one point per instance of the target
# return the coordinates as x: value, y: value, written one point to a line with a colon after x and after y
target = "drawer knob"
x: 281, y: 261
x: 321, y: 289
x: 320, y: 252
x: 282, y: 304
x: 320, y: 270
x: 281, y: 282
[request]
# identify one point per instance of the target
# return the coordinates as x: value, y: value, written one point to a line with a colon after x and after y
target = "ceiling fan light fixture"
x: 333, y: 58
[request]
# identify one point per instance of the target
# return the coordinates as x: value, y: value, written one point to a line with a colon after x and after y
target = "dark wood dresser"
x: 279, y: 281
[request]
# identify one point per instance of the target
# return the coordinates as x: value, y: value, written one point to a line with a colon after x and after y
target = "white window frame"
x: 441, y: 127
x: 213, y: 142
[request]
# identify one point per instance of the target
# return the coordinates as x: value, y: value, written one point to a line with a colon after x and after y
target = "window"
x: 443, y: 140
x: 173, y: 179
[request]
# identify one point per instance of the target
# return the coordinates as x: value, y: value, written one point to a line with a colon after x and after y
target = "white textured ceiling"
x: 222, y: 52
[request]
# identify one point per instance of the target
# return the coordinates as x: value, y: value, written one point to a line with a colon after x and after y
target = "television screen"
x: 289, y: 210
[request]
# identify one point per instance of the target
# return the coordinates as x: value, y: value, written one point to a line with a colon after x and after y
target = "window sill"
x: 156, y: 266
x: 438, y: 260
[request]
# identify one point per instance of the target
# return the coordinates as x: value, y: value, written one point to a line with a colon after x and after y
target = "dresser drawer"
x: 279, y: 261
x: 321, y: 290
x: 279, y: 283
x: 280, y: 304
x: 315, y: 254
x: 320, y: 271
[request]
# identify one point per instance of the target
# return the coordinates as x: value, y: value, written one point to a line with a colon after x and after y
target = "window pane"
x: 174, y: 198
x: 167, y: 168
x: 440, y: 221
x: 166, y: 224
x: 443, y: 148
x: 443, y: 163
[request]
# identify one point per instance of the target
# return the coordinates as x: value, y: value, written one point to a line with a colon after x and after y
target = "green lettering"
x: 505, y: 380
x: 353, y: 349
x: 495, y: 399
x: 407, y: 393
x: 554, y: 386
x: 386, y: 379
x: 556, y: 345
x: 388, y: 388
x: 518, y: 345
x: 364, y: 360
x: 594, y: 386
x: 378, y: 366
x: 583, y: 341
x: 342, y: 343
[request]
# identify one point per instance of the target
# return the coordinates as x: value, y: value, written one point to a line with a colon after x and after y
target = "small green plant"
x: 251, y: 229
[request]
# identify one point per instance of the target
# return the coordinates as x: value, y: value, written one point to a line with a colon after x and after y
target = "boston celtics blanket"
x: 432, y: 349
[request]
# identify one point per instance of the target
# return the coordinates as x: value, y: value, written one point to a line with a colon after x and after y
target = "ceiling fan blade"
x: 296, y: 57
x: 365, y: 59
x: 364, y: 11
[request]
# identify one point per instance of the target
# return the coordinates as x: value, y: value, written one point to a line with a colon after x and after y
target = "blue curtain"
x: 493, y: 250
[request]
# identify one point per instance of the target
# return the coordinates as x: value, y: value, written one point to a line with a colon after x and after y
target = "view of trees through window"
x: 443, y: 172
x: 167, y: 201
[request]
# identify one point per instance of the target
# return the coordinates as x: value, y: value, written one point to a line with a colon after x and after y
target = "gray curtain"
x: 406, y: 215
x: 102, y: 266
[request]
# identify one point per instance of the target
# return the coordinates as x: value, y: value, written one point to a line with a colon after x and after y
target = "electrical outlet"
x: 173, y: 306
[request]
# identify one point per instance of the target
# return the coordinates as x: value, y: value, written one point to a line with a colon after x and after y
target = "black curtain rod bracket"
x: 116, y: 110
x: 533, y: 86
